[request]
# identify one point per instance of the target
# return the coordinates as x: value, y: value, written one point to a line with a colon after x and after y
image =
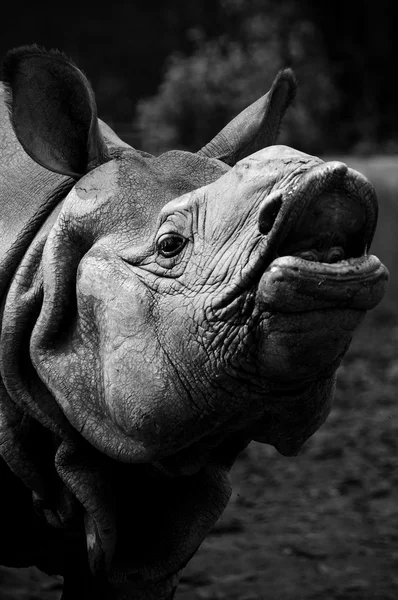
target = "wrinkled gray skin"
x: 164, y: 312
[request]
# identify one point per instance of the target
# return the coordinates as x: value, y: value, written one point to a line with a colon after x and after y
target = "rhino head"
x: 170, y: 311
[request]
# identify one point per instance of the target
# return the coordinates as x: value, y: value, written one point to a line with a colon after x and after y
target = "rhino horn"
x: 53, y: 111
x: 257, y: 126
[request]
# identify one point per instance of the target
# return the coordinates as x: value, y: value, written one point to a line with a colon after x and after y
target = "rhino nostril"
x: 269, y: 210
x: 335, y: 254
x: 311, y: 255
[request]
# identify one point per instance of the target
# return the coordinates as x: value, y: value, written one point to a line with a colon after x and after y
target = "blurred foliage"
x: 197, y: 64
x: 201, y: 92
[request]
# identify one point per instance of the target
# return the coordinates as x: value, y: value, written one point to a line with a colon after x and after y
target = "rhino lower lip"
x: 292, y: 284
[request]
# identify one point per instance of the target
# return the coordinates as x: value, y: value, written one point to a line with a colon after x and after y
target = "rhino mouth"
x: 333, y: 216
x: 320, y: 241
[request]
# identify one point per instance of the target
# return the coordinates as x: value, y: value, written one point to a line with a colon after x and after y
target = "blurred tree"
x: 121, y: 46
x: 344, y: 54
x: 203, y: 90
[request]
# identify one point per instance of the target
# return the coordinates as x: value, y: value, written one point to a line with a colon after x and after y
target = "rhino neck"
x: 28, y: 195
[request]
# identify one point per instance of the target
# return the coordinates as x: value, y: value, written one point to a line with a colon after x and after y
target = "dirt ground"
x: 323, y: 525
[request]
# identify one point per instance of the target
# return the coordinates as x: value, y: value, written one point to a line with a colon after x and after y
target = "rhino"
x: 158, y: 314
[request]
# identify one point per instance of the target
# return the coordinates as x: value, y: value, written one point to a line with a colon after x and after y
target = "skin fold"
x: 159, y: 313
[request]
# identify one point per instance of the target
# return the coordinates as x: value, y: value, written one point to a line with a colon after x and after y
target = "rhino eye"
x: 170, y: 244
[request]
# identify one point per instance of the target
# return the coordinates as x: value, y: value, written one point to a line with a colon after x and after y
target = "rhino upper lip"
x: 292, y: 232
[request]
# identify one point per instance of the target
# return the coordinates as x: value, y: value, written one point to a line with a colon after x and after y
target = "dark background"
x: 171, y: 74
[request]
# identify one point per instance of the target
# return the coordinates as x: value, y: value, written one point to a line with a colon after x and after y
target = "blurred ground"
x: 325, y: 524
x: 29, y: 584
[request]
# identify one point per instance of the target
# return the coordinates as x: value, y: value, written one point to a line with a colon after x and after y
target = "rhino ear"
x: 257, y: 126
x: 53, y: 110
